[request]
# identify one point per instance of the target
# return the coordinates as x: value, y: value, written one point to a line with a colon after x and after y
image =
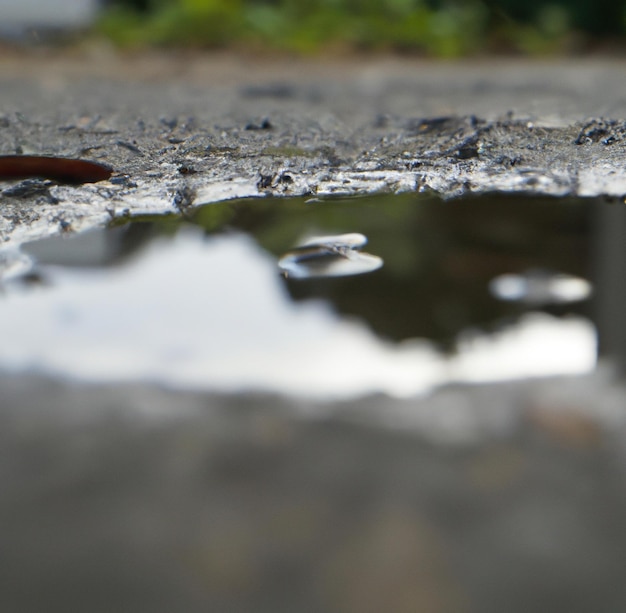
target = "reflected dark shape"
x: 610, y: 273
x: 439, y: 257
x: 540, y: 288
x: 329, y: 256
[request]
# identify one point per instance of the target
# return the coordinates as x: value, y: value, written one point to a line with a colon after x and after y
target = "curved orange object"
x: 63, y: 170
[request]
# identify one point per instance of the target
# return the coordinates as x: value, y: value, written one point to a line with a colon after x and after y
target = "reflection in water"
x: 206, y: 308
x: 329, y: 256
x: 14, y: 264
x: 175, y: 316
x: 340, y: 243
x: 609, y: 270
x: 540, y: 287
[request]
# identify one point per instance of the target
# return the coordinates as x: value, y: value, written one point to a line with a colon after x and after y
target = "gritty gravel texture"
x: 185, y: 130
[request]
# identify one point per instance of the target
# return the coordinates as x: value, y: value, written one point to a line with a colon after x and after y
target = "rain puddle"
x: 326, y: 299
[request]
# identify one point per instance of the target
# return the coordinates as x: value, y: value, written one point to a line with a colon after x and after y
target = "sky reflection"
x: 212, y: 313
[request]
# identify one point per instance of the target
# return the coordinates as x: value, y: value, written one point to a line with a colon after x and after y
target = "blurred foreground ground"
x: 134, y: 498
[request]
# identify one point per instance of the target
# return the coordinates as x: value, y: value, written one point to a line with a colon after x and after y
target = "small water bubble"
x: 329, y: 256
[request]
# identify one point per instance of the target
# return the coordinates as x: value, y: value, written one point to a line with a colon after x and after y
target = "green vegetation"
x: 444, y: 28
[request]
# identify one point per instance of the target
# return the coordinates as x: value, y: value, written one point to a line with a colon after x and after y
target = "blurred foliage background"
x: 443, y: 28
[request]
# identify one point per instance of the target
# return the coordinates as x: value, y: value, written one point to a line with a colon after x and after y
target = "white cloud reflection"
x: 213, y: 314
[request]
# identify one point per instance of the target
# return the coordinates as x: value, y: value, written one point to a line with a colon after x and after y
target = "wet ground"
x: 319, y: 298
x: 187, y: 130
x: 320, y: 402
x: 219, y: 411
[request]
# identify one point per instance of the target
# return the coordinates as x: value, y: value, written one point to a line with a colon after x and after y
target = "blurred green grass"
x: 441, y: 28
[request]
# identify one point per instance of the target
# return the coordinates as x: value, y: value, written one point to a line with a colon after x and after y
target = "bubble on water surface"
x: 329, y: 256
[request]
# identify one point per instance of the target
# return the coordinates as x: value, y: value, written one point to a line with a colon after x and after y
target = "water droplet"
x: 329, y: 256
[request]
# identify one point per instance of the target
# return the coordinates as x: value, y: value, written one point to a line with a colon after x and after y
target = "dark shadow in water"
x: 609, y: 272
x: 439, y: 257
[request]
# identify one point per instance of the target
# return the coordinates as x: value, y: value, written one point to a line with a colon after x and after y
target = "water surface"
x: 480, y: 289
